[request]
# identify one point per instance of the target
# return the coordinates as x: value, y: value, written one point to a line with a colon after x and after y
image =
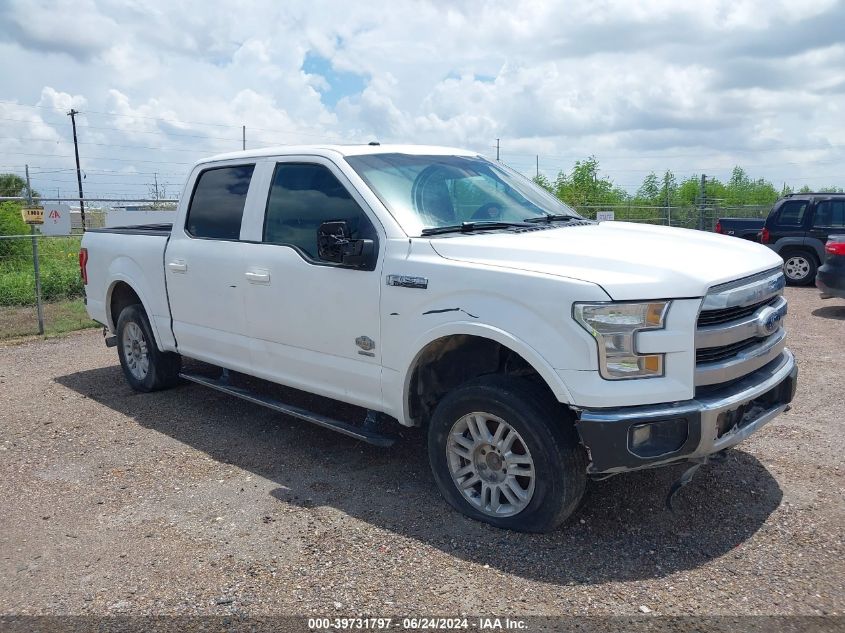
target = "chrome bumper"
x: 717, y: 419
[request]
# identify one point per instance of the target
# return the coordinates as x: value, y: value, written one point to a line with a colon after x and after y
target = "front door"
x: 314, y: 323
x: 204, y: 271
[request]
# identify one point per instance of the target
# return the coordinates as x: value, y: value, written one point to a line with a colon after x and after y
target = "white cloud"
x: 644, y: 85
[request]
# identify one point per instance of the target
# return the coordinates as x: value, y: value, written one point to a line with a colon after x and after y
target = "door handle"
x: 257, y: 276
x: 178, y: 266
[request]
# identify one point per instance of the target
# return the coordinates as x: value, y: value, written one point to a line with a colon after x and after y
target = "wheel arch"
x: 121, y: 293
x: 807, y: 249
x: 455, y: 353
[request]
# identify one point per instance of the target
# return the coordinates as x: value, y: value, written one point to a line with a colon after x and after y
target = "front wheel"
x: 145, y: 367
x: 502, y: 451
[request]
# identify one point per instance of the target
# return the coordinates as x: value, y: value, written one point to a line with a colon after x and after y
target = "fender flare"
x: 481, y: 330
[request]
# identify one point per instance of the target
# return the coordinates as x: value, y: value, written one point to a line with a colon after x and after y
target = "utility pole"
x: 668, y: 206
x: 72, y: 114
x: 243, y: 137
x: 538, y: 165
x: 497, y: 149
x: 35, y: 263
x: 702, y: 202
x: 155, y: 179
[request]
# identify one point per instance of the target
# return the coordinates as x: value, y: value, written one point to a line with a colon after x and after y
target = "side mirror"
x: 335, y: 245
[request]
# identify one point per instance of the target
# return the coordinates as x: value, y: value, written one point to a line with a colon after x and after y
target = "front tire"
x: 504, y: 452
x: 799, y: 268
x: 145, y: 367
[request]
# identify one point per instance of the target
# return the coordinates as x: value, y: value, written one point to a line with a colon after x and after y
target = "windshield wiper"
x: 551, y: 218
x: 467, y: 227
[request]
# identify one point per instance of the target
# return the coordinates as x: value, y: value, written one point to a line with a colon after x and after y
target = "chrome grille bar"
x: 761, y: 329
x: 746, y: 291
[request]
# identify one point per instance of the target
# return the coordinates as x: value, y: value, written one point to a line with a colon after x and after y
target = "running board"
x: 351, y: 430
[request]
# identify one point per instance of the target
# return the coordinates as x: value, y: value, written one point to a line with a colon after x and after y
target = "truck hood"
x: 629, y: 261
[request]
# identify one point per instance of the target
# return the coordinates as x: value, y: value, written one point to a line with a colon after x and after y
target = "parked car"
x: 798, y: 228
x: 746, y: 228
x: 437, y: 289
x: 830, y: 279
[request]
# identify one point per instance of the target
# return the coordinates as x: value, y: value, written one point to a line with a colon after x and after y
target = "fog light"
x: 640, y: 435
x: 654, y: 439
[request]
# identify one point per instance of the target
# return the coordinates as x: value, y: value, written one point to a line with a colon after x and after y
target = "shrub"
x: 11, y: 223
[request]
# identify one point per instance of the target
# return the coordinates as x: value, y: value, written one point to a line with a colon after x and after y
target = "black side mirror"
x: 335, y: 245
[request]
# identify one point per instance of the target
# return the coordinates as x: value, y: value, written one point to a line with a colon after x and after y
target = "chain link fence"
x: 702, y: 217
x: 62, y: 305
x: 41, y: 290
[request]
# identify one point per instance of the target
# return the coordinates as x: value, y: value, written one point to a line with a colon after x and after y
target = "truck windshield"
x: 427, y: 192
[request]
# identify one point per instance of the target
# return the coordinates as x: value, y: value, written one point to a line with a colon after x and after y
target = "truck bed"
x: 138, y: 229
x: 130, y: 256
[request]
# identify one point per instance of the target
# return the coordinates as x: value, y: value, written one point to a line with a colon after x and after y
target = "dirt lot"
x: 188, y: 501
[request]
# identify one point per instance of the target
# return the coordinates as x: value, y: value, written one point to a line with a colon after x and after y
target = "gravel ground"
x: 191, y: 502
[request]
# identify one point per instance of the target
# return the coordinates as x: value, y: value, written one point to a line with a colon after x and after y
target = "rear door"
x: 204, y: 270
x: 314, y: 324
x: 828, y: 219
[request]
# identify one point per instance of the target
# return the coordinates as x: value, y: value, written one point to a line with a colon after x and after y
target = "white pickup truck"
x: 435, y: 288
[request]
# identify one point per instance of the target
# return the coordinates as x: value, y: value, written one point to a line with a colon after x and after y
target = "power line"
x: 64, y: 142
x: 122, y: 160
x: 170, y: 121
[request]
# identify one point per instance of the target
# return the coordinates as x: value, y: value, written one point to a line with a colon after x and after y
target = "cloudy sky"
x: 649, y: 85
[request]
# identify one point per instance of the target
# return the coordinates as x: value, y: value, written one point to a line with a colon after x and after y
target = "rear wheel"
x: 799, y: 267
x: 145, y: 367
x: 502, y: 451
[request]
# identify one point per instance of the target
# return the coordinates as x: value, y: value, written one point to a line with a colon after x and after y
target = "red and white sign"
x: 56, y: 220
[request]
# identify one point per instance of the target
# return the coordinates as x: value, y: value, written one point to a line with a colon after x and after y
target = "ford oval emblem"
x: 769, y: 320
x: 772, y: 322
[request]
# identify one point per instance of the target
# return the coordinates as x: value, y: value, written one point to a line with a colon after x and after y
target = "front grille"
x: 715, y: 354
x: 735, y: 336
x: 725, y: 315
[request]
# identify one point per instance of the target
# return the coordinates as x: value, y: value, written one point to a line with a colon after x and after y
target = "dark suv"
x: 797, y: 229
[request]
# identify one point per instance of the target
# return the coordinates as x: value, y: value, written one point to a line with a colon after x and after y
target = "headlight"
x: 615, y: 326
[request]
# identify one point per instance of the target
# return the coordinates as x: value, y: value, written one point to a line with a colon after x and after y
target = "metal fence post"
x: 37, y: 268
x: 37, y: 280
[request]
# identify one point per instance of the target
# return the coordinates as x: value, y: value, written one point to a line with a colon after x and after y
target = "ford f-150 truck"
x: 432, y: 287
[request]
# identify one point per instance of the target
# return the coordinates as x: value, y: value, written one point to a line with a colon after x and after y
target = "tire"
x: 799, y: 267
x: 545, y: 438
x: 145, y: 367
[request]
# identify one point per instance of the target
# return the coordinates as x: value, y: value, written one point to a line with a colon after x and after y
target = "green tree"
x: 687, y: 194
x: 544, y: 182
x: 668, y: 189
x: 12, y: 185
x: 649, y: 191
x: 585, y: 186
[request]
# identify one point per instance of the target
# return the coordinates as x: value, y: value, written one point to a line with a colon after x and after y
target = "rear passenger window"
x: 792, y: 213
x: 217, y: 206
x: 830, y: 213
x: 302, y: 197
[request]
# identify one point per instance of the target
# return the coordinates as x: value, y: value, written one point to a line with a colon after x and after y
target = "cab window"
x: 217, y: 204
x: 302, y: 197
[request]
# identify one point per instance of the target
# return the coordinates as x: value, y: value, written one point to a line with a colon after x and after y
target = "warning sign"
x: 33, y: 215
x: 56, y: 219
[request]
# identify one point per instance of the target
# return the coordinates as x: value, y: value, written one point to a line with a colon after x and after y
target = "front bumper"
x: 716, y: 419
